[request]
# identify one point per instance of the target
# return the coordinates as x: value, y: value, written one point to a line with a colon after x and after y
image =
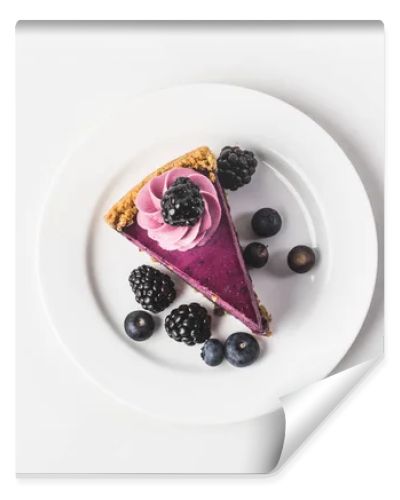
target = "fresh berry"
x: 153, y: 290
x: 212, y: 352
x: 189, y: 324
x: 235, y: 167
x: 241, y: 349
x: 301, y: 259
x: 266, y: 222
x: 255, y: 254
x: 182, y: 204
x: 139, y: 325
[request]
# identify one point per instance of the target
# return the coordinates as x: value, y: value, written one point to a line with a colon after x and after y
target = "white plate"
x: 84, y: 265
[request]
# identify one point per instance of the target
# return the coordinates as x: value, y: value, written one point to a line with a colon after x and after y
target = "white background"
x: 71, y: 75
x: 355, y: 452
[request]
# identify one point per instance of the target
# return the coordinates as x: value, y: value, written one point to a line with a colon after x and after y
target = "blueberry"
x: 266, y: 222
x: 241, y: 349
x: 301, y: 259
x: 212, y: 352
x: 255, y: 254
x: 139, y: 325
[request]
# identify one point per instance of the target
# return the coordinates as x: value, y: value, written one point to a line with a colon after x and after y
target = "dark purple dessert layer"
x: 216, y: 269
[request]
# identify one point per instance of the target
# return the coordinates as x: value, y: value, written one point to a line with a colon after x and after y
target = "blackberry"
x: 153, y: 290
x: 182, y: 204
x: 189, y: 324
x: 235, y: 167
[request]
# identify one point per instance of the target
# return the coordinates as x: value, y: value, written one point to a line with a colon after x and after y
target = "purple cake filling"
x: 216, y: 269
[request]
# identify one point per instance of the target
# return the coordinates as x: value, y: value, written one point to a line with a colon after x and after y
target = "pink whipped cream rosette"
x: 170, y: 237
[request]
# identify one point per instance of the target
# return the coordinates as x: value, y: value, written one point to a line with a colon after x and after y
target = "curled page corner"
x: 308, y: 407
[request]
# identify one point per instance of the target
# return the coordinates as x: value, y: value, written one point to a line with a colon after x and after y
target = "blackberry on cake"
x: 235, y: 167
x: 153, y: 290
x: 189, y: 323
x: 182, y: 204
